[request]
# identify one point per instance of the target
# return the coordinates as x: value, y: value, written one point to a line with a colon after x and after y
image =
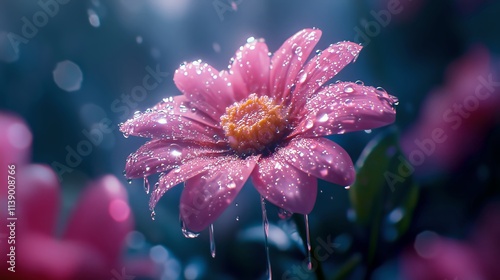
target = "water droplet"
x: 68, y: 76
x: 284, y: 214
x: 138, y: 39
x: 212, y: 240
x: 237, y: 218
x: 303, y: 77
x: 347, y: 187
x: 348, y: 89
x: 308, y: 242
x: 129, y: 181
x: 323, y: 118
x: 265, y: 224
x: 231, y: 185
x: 175, y: 150
x: 309, y: 124
x: 298, y: 51
x: 250, y: 40
x: 153, y: 214
x: 395, y: 100
x: 186, y: 232
x: 358, y: 82
x: 93, y: 18
x: 146, y: 185
x: 368, y: 131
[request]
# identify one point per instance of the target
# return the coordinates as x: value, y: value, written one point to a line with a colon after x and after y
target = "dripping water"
x: 308, y: 241
x: 265, y: 224
x: 146, y: 184
x: 212, y: 240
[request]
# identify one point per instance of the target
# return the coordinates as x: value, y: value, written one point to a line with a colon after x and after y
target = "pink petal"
x: 321, y: 158
x: 180, y: 105
x: 321, y: 69
x: 284, y: 185
x: 160, y: 155
x: 178, y: 175
x: 204, y: 86
x: 160, y: 124
x: 39, y: 198
x: 44, y: 257
x: 208, y: 194
x: 102, y: 218
x: 288, y: 60
x: 345, y: 107
x: 251, y: 65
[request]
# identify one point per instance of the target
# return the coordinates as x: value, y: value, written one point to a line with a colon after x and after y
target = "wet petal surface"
x: 346, y: 107
x: 288, y: 60
x: 321, y: 158
x: 284, y: 185
x: 208, y: 194
x: 160, y: 155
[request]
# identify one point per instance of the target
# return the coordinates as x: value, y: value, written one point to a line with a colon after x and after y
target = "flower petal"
x: 204, y: 86
x: 189, y: 169
x: 250, y: 69
x: 180, y: 105
x: 322, y: 158
x: 284, y: 185
x: 36, y: 182
x: 160, y: 124
x: 321, y: 69
x: 288, y: 60
x: 208, y: 194
x: 159, y: 155
x: 102, y: 218
x: 345, y: 107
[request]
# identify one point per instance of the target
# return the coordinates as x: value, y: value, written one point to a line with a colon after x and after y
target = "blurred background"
x: 72, y: 70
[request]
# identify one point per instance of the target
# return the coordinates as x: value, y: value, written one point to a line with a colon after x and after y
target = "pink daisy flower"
x: 264, y: 118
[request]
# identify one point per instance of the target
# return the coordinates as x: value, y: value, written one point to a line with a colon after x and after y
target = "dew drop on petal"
x: 284, y: 214
x: 348, y: 89
x: 212, y: 240
x: 175, y: 150
x: 186, y: 232
x: 309, y: 124
x: 358, y: 82
x: 323, y: 118
x: 68, y: 76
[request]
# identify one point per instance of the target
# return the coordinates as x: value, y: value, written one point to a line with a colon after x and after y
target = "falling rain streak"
x: 265, y: 224
x: 308, y: 243
x: 212, y: 240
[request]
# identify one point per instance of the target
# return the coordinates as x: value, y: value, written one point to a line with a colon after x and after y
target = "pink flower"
x: 92, y: 243
x: 264, y: 118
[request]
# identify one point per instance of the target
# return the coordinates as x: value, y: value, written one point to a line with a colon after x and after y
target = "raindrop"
x: 186, y: 232
x: 93, y: 18
x: 153, y: 214
x: 348, y: 89
x: 284, y: 214
x: 146, y: 185
x: 175, y: 150
x: 212, y: 240
x: 216, y: 47
x: 68, y: 76
x: 308, y: 241
x: 265, y: 224
x: 323, y: 118
x: 298, y: 51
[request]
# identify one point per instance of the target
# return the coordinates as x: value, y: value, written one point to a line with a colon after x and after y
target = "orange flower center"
x: 254, y: 124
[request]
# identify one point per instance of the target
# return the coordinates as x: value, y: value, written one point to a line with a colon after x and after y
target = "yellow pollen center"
x: 253, y: 124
